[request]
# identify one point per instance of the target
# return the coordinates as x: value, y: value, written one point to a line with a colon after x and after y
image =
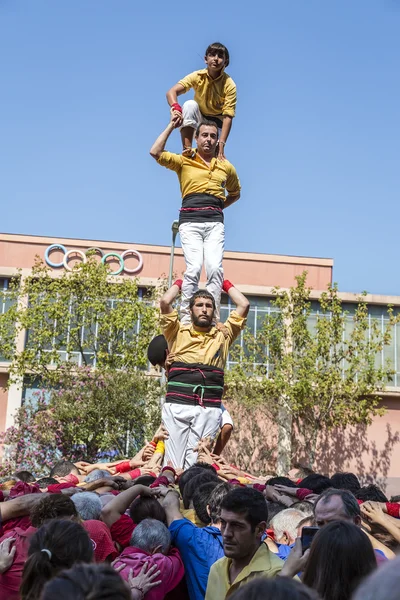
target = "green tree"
x: 310, y: 375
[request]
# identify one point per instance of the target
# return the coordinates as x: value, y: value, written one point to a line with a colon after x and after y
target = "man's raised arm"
x: 159, y: 145
x: 242, y: 304
x: 169, y: 296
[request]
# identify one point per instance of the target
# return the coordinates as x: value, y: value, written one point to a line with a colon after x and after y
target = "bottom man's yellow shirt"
x: 263, y: 564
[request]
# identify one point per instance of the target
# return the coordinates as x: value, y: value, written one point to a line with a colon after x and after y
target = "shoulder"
x: 229, y: 81
x: 183, y: 528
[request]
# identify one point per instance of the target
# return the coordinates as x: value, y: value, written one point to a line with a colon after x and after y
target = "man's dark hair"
x: 44, y: 482
x: 273, y: 509
x: 146, y: 508
x: 215, y: 500
x: 206, y: 466
x: 346, y: 481
x: 64, y: 468
x: 281, y: 481
x: 205, y: 123
x: 53, y: 506
x: 195, y: 483
x: 371, y: 492
x: 187, y: 476
x: 278, y: 588
x: 217, y: 47
x: 351, y: 506
x: 201, y: 498
x: 247, y: 502
x: 87, y: 581
x: 317, y: 483
x: 25, y: 476
x: 156, y: 350
x: 146, y: 480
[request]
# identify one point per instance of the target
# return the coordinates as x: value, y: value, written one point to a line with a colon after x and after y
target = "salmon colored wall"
x: 3, y: 400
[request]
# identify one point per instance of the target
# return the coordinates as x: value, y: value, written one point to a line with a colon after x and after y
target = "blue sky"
x: 315, y: 140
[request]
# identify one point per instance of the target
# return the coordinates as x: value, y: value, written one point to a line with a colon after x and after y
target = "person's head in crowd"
x: 285, y: 526
x: 215, y: 501
x: 299, y: 471
x: 6, y: 483
x: 194, y: 483
x: 336, y: 505
x: 277, y: 588
x: 395, y: 499
x: 56, y: 546
x: 88, y: 505
x: 151, y: 536
x: 281, y: 481
x: 201, y: 499
x: 341, y: 556
x: 97, y: 474
x: 146, y: 480
x: 346, y: 481
x: 157, y: 351
x: 187, y: 476
x: 383, y: 584
x: 64, y: 468
x: 305, y: 507
x: 25, y: 476
x: 53, y: 506
x: 44, y: 482
x: 371, y: 492
x: 317, y: 483
x: 204, y: 465
x: 244, y: 516
x: 305, y: 522
x: 87, y: 582
x: 145, y: 507
x: 274, y: 508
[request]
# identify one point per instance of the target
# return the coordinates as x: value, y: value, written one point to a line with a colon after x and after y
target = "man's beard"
x: 202, y: 322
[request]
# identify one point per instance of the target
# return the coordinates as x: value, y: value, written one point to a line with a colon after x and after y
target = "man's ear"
x: 208, y: 510
x: 260, y: 528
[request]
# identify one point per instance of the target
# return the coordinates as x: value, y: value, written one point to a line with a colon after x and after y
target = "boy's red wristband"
x: 178, y: 282
x: 154, y: 444
x: 135, y: 473
x: 176, y: 106
x: 227, y: 285
x: 216, y: 467
x: 123, y: 467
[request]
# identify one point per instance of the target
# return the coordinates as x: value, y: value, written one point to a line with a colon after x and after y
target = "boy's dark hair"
x: 25, y: 476
x: 195, y: 483
x: 146, y: 480
x: 207, y: 123
x: 187, y: 476
x: 247, y: 502
x: 317, y: 483
x: 371, y: 492
x: 49, y: 554
x: 217, y: 46
x: 53, y: 506
x: 44, y: 482
x: 205, y: 466
x: 64, y: 468
x: 146, y: 508
x: 156, y: 350
x: 214, y: 502
x: 281, y: 481
x: 201, y: 498
x: 346, y: 481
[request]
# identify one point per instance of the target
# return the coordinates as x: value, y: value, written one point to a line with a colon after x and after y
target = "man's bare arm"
x: 231, y: 199
x: 19, y: 507
x: 119, y: 504
x: 174, y: 92
x: 168, y: 298
x: 242, y: 304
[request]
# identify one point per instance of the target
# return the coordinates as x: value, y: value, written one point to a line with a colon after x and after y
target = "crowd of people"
x: 133, y: 529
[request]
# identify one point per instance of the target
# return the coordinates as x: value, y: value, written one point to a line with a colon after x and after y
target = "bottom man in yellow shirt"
x: 244, y: 516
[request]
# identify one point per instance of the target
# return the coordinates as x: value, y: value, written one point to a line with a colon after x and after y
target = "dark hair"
x: 341, y: 555
x: 346, y: 481
x: 146, y: 508
x: 87, y: 582
x: 201, y: 498
x: 395, y: 499
x: 54, y: 506
x: 279, y: 588
x: 371, y: 492
x: 214, y: 502
x: 306, y: 507
x: 195, y: 483
x: 217, y: 46
x: 281, y: 481
x: 205, y: 466
x: 156, y: 350
x: 187, y: 476
x: 44, y: 482
x: 273, y: 509
x: 204, y: 123
x: 350, y: 504
x: 64, y: 468
x: 25, y: 476
x: 247, y: 502
x: 55, y: 546
x: 146, y: 480
x: 317, y: 483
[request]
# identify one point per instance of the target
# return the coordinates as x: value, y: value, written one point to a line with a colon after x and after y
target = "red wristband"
x: 154, y: 444
x: 227, y: 285
x: 135, y: 473
x: 123, y: 467
x: 178, y: 282
x: 176, y: 106
x: 216, y: 467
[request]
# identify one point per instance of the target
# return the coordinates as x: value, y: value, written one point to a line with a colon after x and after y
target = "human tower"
x: 194, y: 347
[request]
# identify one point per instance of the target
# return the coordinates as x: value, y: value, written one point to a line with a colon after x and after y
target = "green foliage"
x: 314, y: 373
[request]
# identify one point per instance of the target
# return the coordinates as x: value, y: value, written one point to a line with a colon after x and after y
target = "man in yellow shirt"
x: 244, y: 516
x: 203, y: 180
x: 192, y: 408
x: 214, y: 98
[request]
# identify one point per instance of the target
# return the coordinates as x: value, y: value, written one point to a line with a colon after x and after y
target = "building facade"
x: 367, y: 450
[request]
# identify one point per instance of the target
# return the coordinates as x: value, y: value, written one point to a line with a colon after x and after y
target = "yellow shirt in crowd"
x: 191, y: 346
x: 263, y: 564
x: 196, y: 177
x: 215, y: 97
